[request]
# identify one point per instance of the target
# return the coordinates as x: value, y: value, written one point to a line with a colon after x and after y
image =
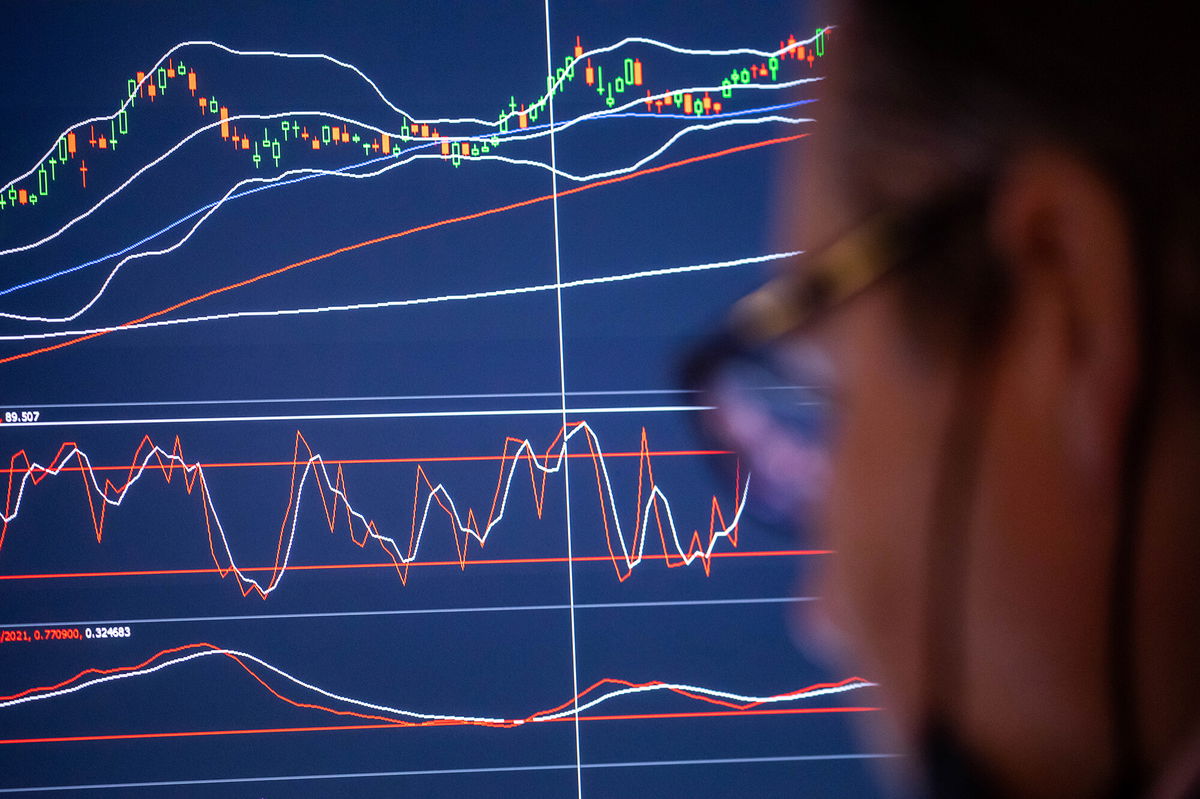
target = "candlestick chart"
x: 342, y: 451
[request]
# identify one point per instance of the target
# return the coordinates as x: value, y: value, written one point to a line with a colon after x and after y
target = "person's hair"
x: 966, y: 83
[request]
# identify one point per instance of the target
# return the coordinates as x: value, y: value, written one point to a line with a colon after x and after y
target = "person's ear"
x: 1062, y: 232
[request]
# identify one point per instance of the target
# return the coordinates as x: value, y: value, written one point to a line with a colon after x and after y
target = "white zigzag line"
x: 316, y: 465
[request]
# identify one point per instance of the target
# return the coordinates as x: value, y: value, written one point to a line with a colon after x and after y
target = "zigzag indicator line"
x: 652, y: 504
x: 598, y: 693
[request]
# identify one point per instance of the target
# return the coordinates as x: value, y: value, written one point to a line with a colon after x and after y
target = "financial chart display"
x: 343, y: 446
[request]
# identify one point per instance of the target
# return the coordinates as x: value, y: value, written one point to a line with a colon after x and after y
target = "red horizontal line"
x: 451, y: 458
x: 774, y: 711
x: 390, y: 565
x: 337, y: 727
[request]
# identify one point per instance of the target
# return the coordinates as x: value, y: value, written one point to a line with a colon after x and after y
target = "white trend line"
x: 315, y: 466
x: 346, y: 65
x: 325, y: 114
x: 417, y: 716
x: 442, y: 298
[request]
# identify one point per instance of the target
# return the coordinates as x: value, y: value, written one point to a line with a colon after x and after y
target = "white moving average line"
x: 346, y: 65
x: 393, y: 165
x: 325, y: 114
x: 421, y: 717
x: 366, y: 306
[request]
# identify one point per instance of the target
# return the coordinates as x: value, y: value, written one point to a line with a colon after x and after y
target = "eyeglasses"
x: 770, y: 385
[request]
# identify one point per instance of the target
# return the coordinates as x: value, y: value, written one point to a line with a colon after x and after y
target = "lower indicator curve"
x: 328, y: 702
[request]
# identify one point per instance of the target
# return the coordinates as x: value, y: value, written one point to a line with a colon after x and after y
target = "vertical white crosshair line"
x: 562, y: 385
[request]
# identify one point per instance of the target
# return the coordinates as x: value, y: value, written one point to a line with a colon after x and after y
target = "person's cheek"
x: 882, y: 459
x: 817, y: 624
x: 813, y: 624
x: 834, y: 620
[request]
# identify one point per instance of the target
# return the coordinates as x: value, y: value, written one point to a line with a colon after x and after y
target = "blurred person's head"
x: 1012, y: 493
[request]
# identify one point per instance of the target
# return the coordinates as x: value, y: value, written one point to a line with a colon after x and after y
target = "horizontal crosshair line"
x: 708, y: 761
x: 665, y: 603
x: 357, y: 461
x: 390, y: 565
x: 377, y: 398
x: 407, y: 232
x: 348, y: 727
x: 312, y: 417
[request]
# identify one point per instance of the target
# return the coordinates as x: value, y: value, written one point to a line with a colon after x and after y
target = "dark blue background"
x: 62, y: 63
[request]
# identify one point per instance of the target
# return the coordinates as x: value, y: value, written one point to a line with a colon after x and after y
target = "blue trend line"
x: 369, y: 162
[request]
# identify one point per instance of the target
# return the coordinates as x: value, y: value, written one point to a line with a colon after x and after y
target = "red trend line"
x: 334, y: 498
x: 389, y: 721
x: 771, y: 553
x: 401, y: 234
x: 101, y: 672
x: 780, y: 711
x: 658, y: 453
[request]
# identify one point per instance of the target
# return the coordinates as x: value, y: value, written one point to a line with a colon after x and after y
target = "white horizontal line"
x: 381, y: 398
x: 715, y: 761
x: 308, y: 417
x: 774, y: 600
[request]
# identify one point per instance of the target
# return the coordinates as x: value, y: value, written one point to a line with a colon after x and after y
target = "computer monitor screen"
x: 344, y: 452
